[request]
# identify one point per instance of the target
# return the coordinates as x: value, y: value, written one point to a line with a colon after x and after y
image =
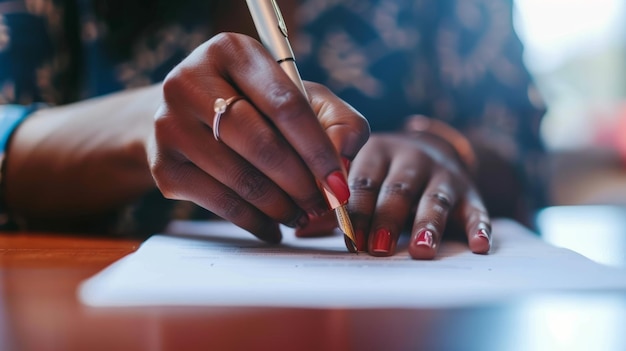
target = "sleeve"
x: 484, y: 89
x: 40, y: 64
x: 24, y: 49
x: 482, y: 83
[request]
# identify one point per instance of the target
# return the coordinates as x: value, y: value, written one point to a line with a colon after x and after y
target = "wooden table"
x: 39, y: 310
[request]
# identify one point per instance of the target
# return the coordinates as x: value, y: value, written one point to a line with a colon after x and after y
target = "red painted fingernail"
x: 424, y: 238
x: 360, y: 240
x: 482, y: 233
x: 382, y: 241
x: 339, y: 186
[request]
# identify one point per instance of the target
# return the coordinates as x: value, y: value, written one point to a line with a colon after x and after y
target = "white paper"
x: 216, y: 263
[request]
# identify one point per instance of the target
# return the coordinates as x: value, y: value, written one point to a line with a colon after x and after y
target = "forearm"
x: 83, y: 159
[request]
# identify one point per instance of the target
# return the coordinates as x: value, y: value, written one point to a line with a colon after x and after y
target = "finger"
x: 262, y: 146
x: 227, y: 167
x: 405, y: 179
x: 248, y: 134
x: 300, y: 144
x: 433, y: 210
x: 367, y: 173
x: 214, y: 196
x: 347, y: 129
x: 477, y: 222
x: 277, y: 98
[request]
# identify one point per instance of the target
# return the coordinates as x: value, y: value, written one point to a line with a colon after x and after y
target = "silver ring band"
x: 220, y: 107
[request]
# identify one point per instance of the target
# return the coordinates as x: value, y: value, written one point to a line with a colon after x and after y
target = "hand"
x: 274, y: 144
x: 417, y: 178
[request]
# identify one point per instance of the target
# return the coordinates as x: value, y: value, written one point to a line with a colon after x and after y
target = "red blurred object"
x: 620, y: 133
x: 613, y: 134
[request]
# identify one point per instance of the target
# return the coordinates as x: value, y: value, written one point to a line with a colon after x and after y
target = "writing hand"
x: 274, y: 144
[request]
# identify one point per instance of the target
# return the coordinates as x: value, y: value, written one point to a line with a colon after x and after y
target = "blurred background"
x: 576, y: 50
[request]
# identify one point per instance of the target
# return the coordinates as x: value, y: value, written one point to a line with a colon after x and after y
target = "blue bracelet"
x: 11, y: 116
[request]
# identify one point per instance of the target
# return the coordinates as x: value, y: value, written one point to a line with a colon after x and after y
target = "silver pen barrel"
x: 273, y: 34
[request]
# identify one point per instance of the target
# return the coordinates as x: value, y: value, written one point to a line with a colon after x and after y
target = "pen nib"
x: 351, y: 244
x: 345, y: 225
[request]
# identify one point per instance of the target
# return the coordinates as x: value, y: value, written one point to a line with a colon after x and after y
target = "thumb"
x: 347, y: 129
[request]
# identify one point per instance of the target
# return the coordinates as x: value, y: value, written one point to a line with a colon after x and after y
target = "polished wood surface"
x: 39, y: 275
x: 38, y: 279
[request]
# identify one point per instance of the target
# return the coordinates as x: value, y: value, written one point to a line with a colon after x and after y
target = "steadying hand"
x: 419, y: 179
x: 400, y: 178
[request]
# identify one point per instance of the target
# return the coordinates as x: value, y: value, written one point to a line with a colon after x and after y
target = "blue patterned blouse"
x: 456, y: 60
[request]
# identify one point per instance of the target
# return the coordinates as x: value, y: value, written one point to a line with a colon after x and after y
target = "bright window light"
x: 553, y: 30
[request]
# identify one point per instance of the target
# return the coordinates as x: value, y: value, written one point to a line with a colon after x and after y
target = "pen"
x: 272, y: 31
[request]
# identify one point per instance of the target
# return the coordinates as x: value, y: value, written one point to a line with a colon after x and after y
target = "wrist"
x: 80, y: 160
x: 11, y: 117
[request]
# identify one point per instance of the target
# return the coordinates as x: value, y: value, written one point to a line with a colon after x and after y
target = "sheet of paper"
x: 216, y: 263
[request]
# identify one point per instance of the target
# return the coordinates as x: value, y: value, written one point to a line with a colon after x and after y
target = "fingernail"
x: 360, y: 240
x: 350, y: 245
x: 483, y: 233
x: 424, y: 238
x: 339, y: 186
x: 382, y: 241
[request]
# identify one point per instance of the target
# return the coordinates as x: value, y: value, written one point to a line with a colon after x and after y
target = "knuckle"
x: 163, y: 127
x: 168, y: 133
x: 223, y: 38
x: 225, y: 42
x: 181, y: 84
x: 172, y: 84
x: 230, y: 205
x: 167, y: 178
x: 399, y: 189
x: 267, y: 148
x: 441, y: 201
x: 251, y: 184
x: 364, y: 184
x: 288, y: 102
x: 233, y: 49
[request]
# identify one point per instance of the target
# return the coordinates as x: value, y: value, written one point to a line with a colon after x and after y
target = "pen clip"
x: 279, y: 17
